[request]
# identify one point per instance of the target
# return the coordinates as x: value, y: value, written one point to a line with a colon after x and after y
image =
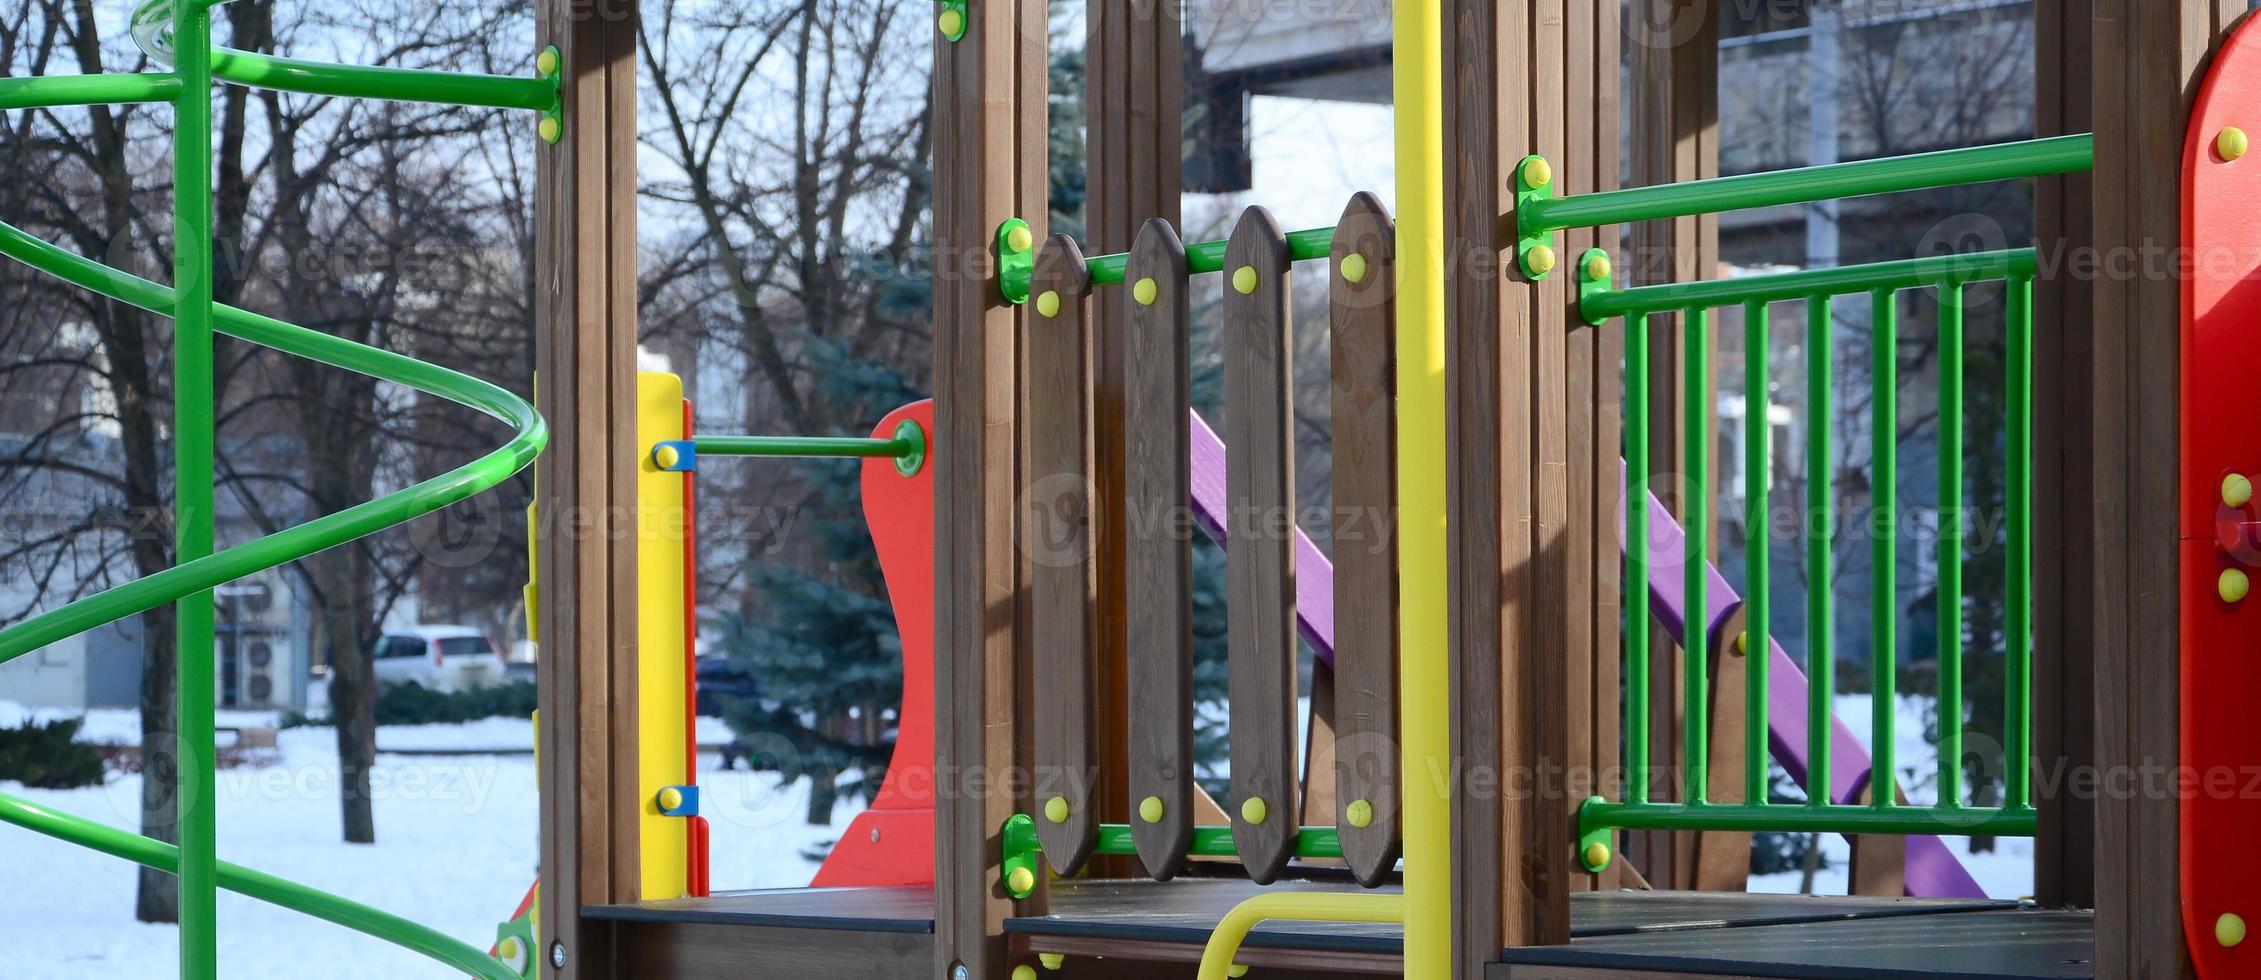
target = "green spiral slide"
x: 177, y: 34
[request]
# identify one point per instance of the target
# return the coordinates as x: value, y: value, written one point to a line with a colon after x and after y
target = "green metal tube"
x: 71, y: 90
x: 805, y: 446
x: 1202, y: 257
x: 1835, y: 818
x: 264, y: 887
x: 2017, y: 677
x: 1695, y: 517
x: 1758, y: 541
x: 1637, y: 617
x: 194, y: 408
x: 1821, y: 531
x: 1310, y: 842
x: 1839, y: 280
x: 1950, y: 546
x: 398, y: 84
x: 1945, y: 168
x: 1884, y: 529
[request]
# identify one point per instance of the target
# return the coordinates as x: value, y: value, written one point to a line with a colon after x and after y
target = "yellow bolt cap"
x: 1024, y: 972
x: 1253, y: 810
x: 2229, y: 930
x: 951, y: 22
x: 2237, y: 489
x: 548, y: 129
x: 1537, y: 172
x: 1237, y: 970
x: 1742, y: 643
x: 508, y: 948
x: 1354, y: 267
x: 1052, y: 961
x: 1150, y: 809
x: 1540, y: 259
x: 1597, y: 267
x: 1056, y: 809
x: 1144, y: 292
x: 1019, y: 239
x: 1597, y: 855
x: 1049, y: 303
x: 2232, y: 143
x: 2233, y: 585
x: 666, y: 457
x: 1359, y: 814
x: 546, y: 62
x: 1021, y: 881
x: 670, y: 798
x: 1244, y: 279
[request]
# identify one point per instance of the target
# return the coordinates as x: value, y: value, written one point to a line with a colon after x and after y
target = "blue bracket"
x: 676, y: 456
x: 687, y: 804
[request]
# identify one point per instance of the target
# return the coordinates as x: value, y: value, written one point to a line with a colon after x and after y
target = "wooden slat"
x: 1364, y: 344
x: 1158, y: 550
x: 1260, y: 543
x: 1062, y: 590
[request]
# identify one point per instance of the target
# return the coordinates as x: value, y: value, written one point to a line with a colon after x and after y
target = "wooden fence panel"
x: 1062, y: 588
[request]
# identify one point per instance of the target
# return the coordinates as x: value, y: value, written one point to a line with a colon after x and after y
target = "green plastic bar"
x: 1637, y: 557
x: 1695, y: 518
x: 1821, y: 532
x: 71, y: 90
x: 805, y: 446
x: 1200, y: 257
x: 194, y: 408
x: 1884, y: 571
x: 1950, y: 546
x: 2017, y: 678
x: 1834, y: 818
x: 1836, y: 281
x: 398, y: 84
x: 264, y: 887
x: 1944, y: 168
x: 1758, y: 541
x: 1310, y: 842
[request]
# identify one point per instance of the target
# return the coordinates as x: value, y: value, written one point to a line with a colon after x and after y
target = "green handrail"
x: 1019, y: 847
x: 806, y: 447
x: 180, y: 36
x: 1307, y: 245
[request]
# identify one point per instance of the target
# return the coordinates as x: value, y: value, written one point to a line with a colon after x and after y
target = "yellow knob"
x: 1021, y: 881
x: 2236, y: 489
x: 508, y: 948
x: 667, y: 457
x: 1359, y: 814
x: 1056, y: 809
x: 548, y: 129
x: 1597, y: 267
x: 1048, y: 304
x: 1150, y: 809
x: 1052, y: 961
x: 1354, y: 267
x: 1024, y: 972
x: 1244, y: 279
x: 1540, y: 259
x: 1144, y: 292
x: 546, y: 62
x: 2233, y: 585
x: 1537, y: 172
x: 1237, y: 970
x: 1252, y: 809
x: 951, y: 22
x: 671, y: 799
x: 1019, y: 239
x: 2231, y: 144
x: 2229, y: 930
x: 1597, y: 856
x: 1742, y: 643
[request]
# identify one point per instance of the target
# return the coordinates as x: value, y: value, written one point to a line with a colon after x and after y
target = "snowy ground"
x: 455, y: 849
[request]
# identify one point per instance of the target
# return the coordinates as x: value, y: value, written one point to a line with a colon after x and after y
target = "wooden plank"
x: 1158, y: 557
x: 1604, y: 450
x: 1062, y: 590
x: 1260, y: 541
x: 1364, y: 381
x: 1320, y: 792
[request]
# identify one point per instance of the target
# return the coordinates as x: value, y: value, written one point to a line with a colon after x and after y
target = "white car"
x: 442, y: 658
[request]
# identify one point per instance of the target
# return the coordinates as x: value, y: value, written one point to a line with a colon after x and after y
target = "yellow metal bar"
x: 1423, y: 668
x: 662, y: 757
x: 1224, y: 943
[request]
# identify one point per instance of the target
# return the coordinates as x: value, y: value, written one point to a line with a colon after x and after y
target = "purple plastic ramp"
x: 1314, y: 574
x: 1932, y: 870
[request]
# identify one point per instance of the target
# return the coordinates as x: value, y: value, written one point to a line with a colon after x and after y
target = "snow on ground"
x: 455, y: 850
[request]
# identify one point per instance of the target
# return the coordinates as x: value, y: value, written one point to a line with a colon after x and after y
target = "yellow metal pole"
x: 1424, y: 663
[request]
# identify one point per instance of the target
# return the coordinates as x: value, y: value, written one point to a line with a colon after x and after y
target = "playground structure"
x: 1473, y: 681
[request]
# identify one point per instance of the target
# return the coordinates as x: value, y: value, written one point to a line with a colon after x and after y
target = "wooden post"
x: 989, y: 165
x: 1518, y: 584
x: 585, y: 359
x: 2146, y: 59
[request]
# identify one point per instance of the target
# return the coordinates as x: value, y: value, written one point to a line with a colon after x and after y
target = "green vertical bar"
x: 1884, y: 429
x: 1695, y: 514
x: 1950, y: 546
x: 1637, y: 557
x: 2017, y: 668
x: 192, y: 499
x: 1821, y: 526
x: 1757, y: 542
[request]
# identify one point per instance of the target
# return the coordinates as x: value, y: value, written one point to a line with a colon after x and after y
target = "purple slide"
x: 1932, y: 870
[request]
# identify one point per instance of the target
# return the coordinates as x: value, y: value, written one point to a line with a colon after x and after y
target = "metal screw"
x: 958, y: 972
x: 557, y: 955
x: 875, y: 835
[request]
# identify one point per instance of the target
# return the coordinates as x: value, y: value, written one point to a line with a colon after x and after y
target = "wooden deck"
x: 1131, y: 928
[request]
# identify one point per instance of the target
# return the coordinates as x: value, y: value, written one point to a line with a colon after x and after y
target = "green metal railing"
x: 179, y: 36
x: 1819, y: 289
x: 1022, y: 852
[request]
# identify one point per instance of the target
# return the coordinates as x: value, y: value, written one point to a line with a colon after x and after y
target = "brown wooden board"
x: 1364, y: 376
x: 1158, y: 550
x: 1057, y: 528
x: 1260, y: 543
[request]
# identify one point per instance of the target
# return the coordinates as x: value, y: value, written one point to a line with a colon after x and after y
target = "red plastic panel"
x: 2221, y: 641
x: 893, y: 842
